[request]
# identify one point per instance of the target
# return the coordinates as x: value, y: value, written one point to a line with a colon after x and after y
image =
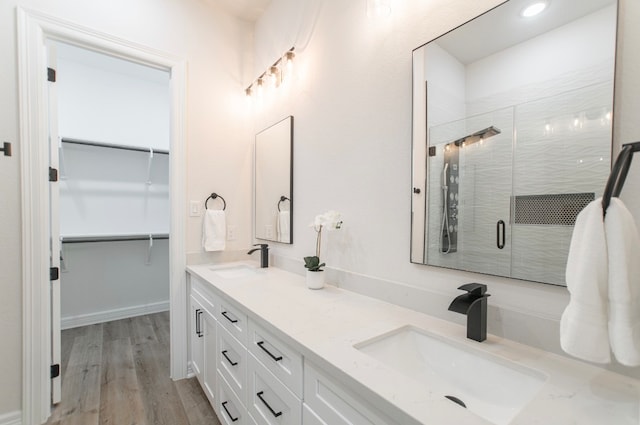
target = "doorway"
x: 109, y: 198
x: 35, y: 30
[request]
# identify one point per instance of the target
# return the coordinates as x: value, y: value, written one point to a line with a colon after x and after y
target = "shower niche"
x: 512, y: 134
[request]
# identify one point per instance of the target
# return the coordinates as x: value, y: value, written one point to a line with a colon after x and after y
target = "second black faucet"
x: 264, y: 254
x: 474, y: 305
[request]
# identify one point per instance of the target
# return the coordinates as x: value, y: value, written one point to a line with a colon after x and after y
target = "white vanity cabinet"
x: 252, y: 376
x: 326, y: 403
x: 202, y: 336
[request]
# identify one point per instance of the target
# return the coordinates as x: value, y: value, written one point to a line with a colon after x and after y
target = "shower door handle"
x: 500, y: 234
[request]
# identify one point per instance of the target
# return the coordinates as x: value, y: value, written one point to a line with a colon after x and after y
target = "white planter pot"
x: 315, y: 280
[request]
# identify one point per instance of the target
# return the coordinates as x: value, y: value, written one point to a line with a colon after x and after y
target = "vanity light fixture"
x: 273, y: 75
x: 534, y: 9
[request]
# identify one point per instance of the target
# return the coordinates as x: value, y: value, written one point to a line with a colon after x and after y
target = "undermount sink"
x: 234, y: 271
x: 489, y: 386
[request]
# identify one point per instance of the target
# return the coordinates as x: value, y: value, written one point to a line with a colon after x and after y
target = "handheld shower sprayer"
x: 444, y: 228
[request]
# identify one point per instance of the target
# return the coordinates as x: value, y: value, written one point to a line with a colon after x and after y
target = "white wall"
x: 352, y: 105
x: 110, y: 100
x: 219, y: 155
x: 567, y: 50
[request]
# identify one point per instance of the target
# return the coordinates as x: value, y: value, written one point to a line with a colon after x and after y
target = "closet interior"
x: 113, y: 151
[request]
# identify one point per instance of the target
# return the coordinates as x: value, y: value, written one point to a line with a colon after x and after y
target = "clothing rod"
x: 114, y: 238
x: 113, y: 146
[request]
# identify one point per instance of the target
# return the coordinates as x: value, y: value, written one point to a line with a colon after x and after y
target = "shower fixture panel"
x: 450, y: 184
x: 477, y: 136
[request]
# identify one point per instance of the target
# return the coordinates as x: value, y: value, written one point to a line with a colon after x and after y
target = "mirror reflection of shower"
x: 450, y: 185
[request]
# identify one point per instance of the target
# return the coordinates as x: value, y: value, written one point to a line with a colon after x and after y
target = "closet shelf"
x: 112, y: 146
x: 113, y: 238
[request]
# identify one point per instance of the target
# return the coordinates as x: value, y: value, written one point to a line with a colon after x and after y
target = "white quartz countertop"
x: 325, y: 324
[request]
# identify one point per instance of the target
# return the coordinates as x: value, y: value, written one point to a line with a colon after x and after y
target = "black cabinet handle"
x: 198, y: 331
x: 273, y: 412
x: 500, y: 234
x: 231, y: 362
x: 224, y: 406
x: 261, y: 345
x: 224, y: 313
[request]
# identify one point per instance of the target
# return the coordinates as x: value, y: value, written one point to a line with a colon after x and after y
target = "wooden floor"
x: 117, y: 373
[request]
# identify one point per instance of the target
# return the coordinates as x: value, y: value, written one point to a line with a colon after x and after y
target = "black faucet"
x: 264, y: 254
x: 474, y: 305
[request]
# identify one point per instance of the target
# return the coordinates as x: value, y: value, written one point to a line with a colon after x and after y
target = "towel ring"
x: 282, y: 199
x: 214, y: 196
x: 618, y: 174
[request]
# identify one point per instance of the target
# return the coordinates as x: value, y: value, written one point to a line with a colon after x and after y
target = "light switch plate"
x: 231, y: 232
x: 194, y: 208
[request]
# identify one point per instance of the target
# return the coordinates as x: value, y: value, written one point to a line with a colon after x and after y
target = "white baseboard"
x: 109, y: 315
x: 13, y: 418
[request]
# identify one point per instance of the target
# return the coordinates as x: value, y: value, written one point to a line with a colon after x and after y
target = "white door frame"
x: 34, y: 29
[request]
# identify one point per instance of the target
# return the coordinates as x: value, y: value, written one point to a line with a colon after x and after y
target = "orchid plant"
x: 330, y: 220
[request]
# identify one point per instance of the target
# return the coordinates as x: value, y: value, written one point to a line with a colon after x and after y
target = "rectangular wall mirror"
x: 274, y: 182
x: 512, y: 136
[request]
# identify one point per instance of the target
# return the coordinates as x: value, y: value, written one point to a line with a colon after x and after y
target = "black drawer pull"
x: 198, y: 326
x: 224, y: 406
x: 231, y: 362
x: 261, y: 345
x: 224, y: 313
x: 273, y: 412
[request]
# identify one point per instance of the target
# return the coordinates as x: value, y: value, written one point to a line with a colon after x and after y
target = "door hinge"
x: 55, y: 370
x: 51, y: 75
x: 53, y: 174
x: 54, y: 273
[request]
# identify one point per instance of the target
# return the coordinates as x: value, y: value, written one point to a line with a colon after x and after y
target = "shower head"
x: 477, y: 136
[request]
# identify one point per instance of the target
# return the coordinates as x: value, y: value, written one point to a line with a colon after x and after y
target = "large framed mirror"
x: 512, y: 136
x: 274, y: 182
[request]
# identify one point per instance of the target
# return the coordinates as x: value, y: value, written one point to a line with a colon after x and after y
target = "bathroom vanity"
x: 267, y: 350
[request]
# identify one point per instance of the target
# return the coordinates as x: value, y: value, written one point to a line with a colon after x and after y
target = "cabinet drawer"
x: 281, y: 360
x: 269, y: 402
x: 309, y: 417
x: 230, y: 410
x: 332, y: 405
x: 233, y: 320
x: 232, y: 362
x: 200, y: 292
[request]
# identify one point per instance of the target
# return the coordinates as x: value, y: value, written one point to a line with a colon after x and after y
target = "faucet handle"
x: 261, y: 245
x: 477, y: 289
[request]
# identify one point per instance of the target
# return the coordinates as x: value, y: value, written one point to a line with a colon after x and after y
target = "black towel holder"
x: 215, y: 196
x: 618, y: 174
x: 282, y: 199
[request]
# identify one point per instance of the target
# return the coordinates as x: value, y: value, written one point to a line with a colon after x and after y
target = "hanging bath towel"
x: 283, y: 220
x: 623, y: 246
x: 214, y: 230
x: 584, y: 323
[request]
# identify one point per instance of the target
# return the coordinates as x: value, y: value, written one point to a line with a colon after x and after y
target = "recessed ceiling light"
x: 534, y: 9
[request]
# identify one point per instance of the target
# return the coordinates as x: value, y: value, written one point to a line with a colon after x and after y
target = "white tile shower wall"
x: 561, y: 147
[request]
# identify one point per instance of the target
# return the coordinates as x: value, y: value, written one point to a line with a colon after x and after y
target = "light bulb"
x: 534, y: 9
x: 260, y: 86
x: 274, y: 76
x: 288, y: 60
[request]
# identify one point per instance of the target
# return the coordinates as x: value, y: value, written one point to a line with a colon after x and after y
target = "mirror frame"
x: 255, y: 182
x: 419, y: 163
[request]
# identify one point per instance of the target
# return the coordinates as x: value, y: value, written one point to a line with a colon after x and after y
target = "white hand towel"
x: 283, y: 225
x: 214, y: 230
x: 583, y: 326
x: 623, y: 246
